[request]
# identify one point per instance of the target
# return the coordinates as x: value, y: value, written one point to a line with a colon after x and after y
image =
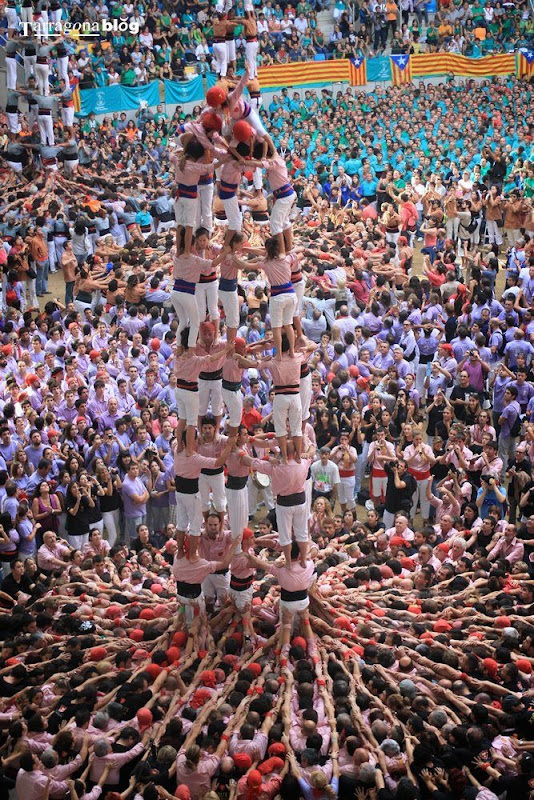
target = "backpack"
x: 515, y: 430
x: 471, y: 228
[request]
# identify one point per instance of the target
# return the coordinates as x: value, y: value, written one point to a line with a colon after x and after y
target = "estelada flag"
x: 525, y: 64
x: 357, y: 71
x: 401, y: 69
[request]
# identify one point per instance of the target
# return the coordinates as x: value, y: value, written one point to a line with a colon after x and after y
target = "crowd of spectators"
x: 175, y: 43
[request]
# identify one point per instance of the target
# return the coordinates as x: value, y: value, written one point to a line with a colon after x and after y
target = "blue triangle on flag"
x: 529, y: 55
x: 357, y: 62
x: 400, y: 61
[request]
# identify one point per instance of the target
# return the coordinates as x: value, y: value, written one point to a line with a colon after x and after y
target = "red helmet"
x: 211, y: 121
x: 242, y: 131
x: 215, y: 96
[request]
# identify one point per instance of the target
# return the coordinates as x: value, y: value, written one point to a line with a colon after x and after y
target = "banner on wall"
x: 184, y: 92
x: 117, y: 98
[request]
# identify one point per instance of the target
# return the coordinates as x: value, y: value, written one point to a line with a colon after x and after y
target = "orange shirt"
x: 391, y: 11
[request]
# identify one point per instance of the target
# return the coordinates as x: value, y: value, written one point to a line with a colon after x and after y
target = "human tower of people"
x: 227, y: 140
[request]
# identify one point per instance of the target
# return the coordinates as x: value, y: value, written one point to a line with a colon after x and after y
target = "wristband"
x: 225, y: 737
x: 321, y: 682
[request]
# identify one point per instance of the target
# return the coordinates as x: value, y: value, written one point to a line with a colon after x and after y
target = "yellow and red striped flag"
x: 401, y: 69
x: 499, y: 64
x: 77, y: 99
x: 525, y: 64
x: 302, y: 73
x: 357, y: 71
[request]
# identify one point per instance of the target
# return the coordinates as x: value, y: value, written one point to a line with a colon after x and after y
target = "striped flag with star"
x: 525, y: 64
x: 357, y: 71
x: 401, y: 69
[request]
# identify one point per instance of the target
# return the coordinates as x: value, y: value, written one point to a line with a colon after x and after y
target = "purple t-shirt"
x: 129, y: 488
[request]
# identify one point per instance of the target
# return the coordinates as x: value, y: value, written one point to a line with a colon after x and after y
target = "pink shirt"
x: 277, y: 173
x: 215, y: 549
x: 190, y: 466
x: 196, y: 572
x: 46, y: 555
x: 191, y: 172
x: 199, y: 780
x: 277, y: 270
x: 231, y: 371
x: 235, y: 103
x: 285, y: 372
x: 407, y: 534
x: 217, y: 363
x: 188, y: 367
x: 236, y: 466
x: 189, y: 268
x: 232, y: 171
x: 228, y: 268
x: 32, y: 785
x: 295, y: 579
x: 287, y: 478
x: 269, y: 788
x: 240, y: 566
x: 119, y: 759
x: 255, y: 747
x: 416, y: 462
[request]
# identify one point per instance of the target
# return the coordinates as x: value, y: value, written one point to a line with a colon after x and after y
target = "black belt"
x: 167, y: 216
x: 426, y: 359
x: 410, y: 357
x: 236, y: 481
x: 186, y: 485
x: 221, y: 571
x: 287, y: 500
x: 290, y: 597
x: 292, y: 388
x: 190, y: 590
x: 84, y: 297
x: 241, y: 584
x: 188, y: 386
x: 231, y: 386
x: 304, y: 371
x: 212, y: 471
x: 211, y: 376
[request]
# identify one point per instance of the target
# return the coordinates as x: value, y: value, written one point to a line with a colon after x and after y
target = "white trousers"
x: 46, y: 129
x: 111, y: 521
x: 186, y: 309
x: 234, y: 403
x: 419, y: 496
x: 292, y: 522
x: 494, y: 232
x: 11, y: 73
x: 207, y: 297
x: 237, y: 500
x: 287, y: 406
x: 205, y: 206
x: 188, y: 513
x: 215, y: 587
x: 29, y: 66
x: 220, y: 54
x: 63, y: 69
x: 213, y: 484
x: 251, y: 58
x: 41, y: 76
x: 210, y: 393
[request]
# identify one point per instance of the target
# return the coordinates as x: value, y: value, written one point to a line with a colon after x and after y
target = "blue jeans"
x: 69, y: 292
x: 131, y: 525
x: 41, y: 284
